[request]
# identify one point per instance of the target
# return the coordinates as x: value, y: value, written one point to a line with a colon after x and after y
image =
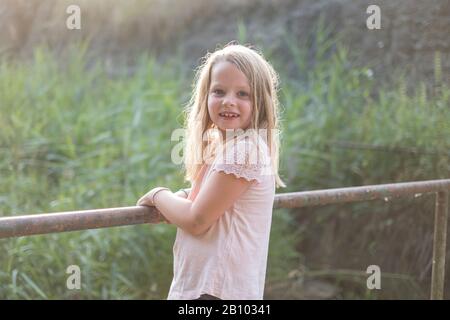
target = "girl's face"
x: 229, y: 97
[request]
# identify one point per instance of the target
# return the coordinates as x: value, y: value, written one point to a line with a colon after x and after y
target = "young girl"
x: 224, y: 222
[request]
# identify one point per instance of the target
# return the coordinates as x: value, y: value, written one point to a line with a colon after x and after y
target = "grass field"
x: 74, y: 136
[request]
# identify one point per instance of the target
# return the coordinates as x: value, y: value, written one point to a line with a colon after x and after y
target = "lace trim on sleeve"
x: 247, y: 171
x: 243, y: 160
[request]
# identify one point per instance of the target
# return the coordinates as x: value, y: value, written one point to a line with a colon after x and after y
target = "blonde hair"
x: 263, y: 81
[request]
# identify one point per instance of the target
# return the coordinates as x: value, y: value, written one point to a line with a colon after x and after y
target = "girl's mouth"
x: 228, y: 115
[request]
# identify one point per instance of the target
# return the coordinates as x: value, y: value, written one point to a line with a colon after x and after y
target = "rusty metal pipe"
x: 18, y: 226
x: 439, y: 246
x: 355, y: 194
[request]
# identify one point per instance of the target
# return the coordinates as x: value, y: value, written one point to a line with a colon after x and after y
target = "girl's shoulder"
x: 245, y: 157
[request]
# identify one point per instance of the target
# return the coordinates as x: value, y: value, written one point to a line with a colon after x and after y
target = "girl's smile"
x: 228, y: 115
x: 229, y: 97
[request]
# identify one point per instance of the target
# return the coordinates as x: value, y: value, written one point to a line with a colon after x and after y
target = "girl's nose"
x: 228, y: 101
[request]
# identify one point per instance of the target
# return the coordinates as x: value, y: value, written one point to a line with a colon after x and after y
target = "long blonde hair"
x: 263, y: 81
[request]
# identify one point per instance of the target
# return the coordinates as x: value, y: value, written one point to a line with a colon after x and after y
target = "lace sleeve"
x: 242, y: 159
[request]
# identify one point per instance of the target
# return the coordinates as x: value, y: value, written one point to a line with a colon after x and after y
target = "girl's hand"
x: 146, y: 200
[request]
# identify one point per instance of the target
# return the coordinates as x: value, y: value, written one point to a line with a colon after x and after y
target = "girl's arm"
x: 218, y: 194
x: 182, y: 194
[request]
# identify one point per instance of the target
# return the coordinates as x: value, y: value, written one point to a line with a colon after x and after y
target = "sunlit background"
x: 86, y: 118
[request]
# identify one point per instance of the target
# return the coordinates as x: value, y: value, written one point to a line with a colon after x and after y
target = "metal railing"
x: 17, y: 226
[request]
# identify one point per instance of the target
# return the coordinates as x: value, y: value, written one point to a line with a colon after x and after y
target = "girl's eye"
x: 218, y: 91
x: 243, y: 93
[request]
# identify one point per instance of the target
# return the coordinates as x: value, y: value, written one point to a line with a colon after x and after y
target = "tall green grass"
x: 344, y: 128
x: 341, y: 127
x: 75, y: 136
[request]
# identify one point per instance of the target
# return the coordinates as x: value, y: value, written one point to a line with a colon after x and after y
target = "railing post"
x: 439, y: 244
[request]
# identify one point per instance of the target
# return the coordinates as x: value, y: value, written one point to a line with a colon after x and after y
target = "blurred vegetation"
x: 76, y: 136
x: 341, y: 129
x: 117, y: 31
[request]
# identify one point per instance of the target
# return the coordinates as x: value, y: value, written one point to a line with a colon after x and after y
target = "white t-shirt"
x: 229, y: 260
